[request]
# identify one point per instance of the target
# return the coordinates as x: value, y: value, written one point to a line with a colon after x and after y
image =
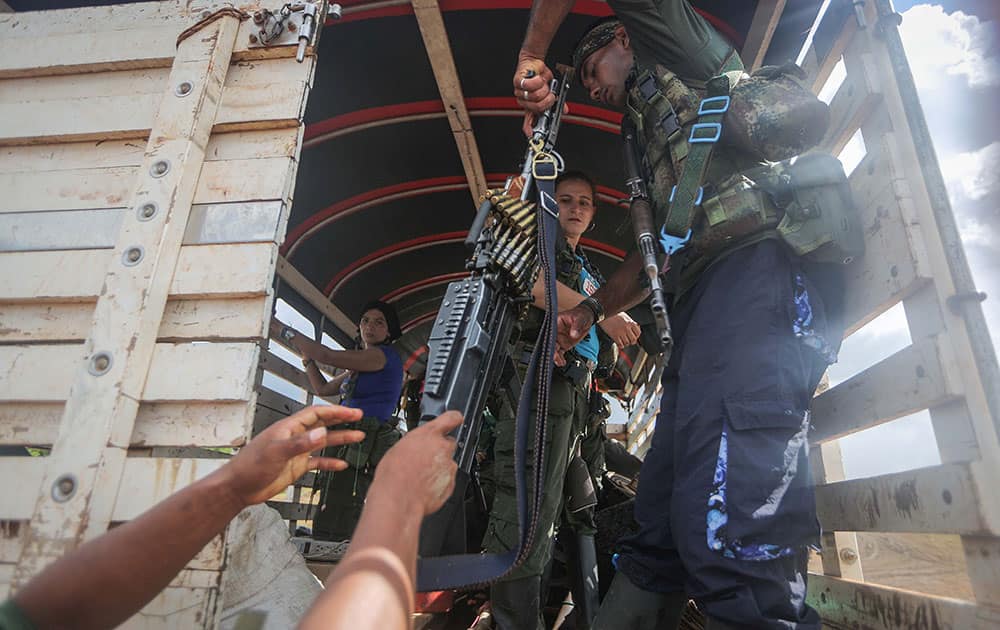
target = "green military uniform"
x: 568, y: 415
x: 343, y: 493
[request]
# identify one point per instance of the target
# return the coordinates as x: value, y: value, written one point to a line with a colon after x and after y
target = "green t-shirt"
x: 672, y: 33
x: 11, y: 617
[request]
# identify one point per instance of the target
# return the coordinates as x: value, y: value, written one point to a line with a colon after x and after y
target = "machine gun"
x: 511, y: 237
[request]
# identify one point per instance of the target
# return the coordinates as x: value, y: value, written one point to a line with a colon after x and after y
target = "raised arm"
x: 321, y: 386
x: 373, y: 586
x: 620, y: 327
x: 533, y: 92
x: 370, y: 360
x: 622, y: 291
x: 111, y: 578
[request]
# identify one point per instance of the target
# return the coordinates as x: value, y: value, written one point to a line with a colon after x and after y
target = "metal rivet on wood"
x: 99, y: 364
x: 159, y: 168
x: 64, y: 488
x: 147, y: 211
x: 133, y: 255
x: 184, y: 88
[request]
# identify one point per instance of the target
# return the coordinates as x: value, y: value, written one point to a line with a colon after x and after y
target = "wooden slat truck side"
x: 147, y: 158
x: 147, y: 161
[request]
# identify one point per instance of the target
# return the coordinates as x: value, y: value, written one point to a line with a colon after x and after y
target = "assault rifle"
x: 468, y: 345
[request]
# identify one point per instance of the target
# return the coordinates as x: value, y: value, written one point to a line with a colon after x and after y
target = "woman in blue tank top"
x: 372, y: 381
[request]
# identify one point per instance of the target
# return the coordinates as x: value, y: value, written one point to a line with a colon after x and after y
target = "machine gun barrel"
x: 642, y: 226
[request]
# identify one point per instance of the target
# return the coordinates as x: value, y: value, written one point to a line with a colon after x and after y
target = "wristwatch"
x: 595, y: 307
x: 287, y: 333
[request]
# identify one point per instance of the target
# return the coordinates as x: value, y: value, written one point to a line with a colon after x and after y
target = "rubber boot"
x: 517, y: 604
x: 583, y: 579
x: 628, y: 607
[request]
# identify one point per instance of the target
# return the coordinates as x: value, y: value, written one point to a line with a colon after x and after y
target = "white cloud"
x: 975, y: 174
x: 956, y: 44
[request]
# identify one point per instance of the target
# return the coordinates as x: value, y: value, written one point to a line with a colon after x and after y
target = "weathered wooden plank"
x: 6, y: 577
x: 35, y: 119
x: 906, y: 382
x: 431, y: 25
x: 945, y: 499
x: 848, y: 605
x: 293, y: 511
x: 213, y: 424
x: 179, y: 372
x: 240, y: 222
x: 211, y: 319
x: 83, y: 189
x: 240, y: 270
x: 895, y: 264
x: 853, y: 103
x: 96, y: 39
x: 279, y: 367
x: 929, y: 563
x: 234, y: 145
x: 765, y: 20
x: 146, y: 481
x: 839, y: 554
x: 289, y: 274
x: 278, y: 402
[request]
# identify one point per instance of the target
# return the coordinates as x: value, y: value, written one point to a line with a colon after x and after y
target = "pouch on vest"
x: 773, y: 115
x: 821, y: 221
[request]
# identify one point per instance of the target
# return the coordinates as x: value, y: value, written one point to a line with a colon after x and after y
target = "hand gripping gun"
x: 645, y: 236
x: 510, y: 240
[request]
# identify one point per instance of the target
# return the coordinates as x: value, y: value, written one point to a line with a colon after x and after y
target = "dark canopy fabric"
x: 382, y: 203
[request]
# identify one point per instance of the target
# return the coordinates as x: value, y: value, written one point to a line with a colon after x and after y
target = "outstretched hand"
x: 282, y: 453
x: 421, y: 467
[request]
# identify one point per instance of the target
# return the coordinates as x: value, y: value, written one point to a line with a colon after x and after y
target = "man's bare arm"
x: 622, y: 291
x: 373, y: 586
x: 532, y: 93
x: 111, y: 578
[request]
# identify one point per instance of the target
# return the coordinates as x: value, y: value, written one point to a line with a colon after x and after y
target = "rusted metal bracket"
x: 291, y: 24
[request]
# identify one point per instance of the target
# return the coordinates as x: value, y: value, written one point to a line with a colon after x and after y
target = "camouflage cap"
x: 595, y: 38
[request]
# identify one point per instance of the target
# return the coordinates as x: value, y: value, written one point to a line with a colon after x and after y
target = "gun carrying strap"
x: 479, y: 570
x: 688, y: 193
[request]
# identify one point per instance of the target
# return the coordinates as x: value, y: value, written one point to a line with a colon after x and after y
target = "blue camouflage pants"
x: 725, y: 504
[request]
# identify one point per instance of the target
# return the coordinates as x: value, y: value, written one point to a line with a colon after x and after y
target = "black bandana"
x: 599, y: 36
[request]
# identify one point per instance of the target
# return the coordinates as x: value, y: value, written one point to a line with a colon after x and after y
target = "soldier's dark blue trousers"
x: 725, y: 503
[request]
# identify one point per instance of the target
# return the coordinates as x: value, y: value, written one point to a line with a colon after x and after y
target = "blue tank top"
x: 377, y: 393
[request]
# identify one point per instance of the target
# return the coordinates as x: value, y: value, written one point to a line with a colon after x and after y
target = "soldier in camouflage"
x: 516, y: 599
x: 725, y: 509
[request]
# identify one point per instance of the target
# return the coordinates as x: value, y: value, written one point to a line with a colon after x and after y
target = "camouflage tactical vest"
x: 770, y: 117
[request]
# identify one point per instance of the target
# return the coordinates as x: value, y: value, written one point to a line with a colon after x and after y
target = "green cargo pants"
x: 567, y: 415
x: 343, y: 493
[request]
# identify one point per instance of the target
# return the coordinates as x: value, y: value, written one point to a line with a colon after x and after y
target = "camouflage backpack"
x: 708, y: 157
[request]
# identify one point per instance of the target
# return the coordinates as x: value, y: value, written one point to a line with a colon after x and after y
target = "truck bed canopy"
x: 382, y: 198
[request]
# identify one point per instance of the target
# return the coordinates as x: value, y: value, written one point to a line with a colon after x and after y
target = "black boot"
x: 583, y: 579
x: 517, y: 604
x: 628, y: 607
